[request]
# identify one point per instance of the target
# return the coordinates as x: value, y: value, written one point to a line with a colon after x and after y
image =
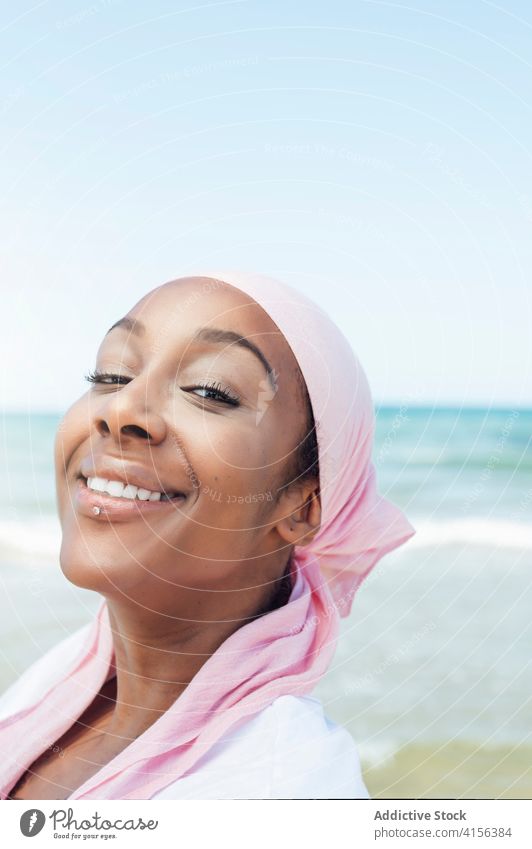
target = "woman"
x: 215, y: 486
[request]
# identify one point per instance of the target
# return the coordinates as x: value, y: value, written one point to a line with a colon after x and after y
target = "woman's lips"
x: 117, y: 509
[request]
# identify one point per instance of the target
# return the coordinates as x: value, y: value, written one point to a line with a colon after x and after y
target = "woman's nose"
x: 128, y: 417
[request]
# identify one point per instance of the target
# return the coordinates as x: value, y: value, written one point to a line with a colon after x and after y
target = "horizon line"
x: 425, y: 405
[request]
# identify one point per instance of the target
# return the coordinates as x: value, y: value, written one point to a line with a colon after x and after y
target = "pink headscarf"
x: 283, y: 652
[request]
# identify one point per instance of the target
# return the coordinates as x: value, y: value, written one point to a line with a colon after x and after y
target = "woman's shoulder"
x: 315, y: 757
x: 289, y: 750
x: 40, y: 675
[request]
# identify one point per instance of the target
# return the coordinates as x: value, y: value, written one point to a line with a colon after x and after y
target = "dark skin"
x: 178, y: 582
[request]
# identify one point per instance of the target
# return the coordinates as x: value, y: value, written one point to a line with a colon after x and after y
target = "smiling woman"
x: 215, y: 486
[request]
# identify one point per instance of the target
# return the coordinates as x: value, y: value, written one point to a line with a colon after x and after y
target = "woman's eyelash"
x: 112, y: 379
x: 105, y: 377
x: 220, y: 390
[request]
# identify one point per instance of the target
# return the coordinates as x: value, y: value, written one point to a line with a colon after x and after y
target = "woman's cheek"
x: 72, y: 430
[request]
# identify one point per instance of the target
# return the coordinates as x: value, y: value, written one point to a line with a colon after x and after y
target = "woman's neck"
x: 154, y: 666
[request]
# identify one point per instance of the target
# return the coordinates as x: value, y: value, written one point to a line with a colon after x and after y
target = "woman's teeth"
x: 120, y: 490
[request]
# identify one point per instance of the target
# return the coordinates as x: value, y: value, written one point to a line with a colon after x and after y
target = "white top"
x: 289, y: 750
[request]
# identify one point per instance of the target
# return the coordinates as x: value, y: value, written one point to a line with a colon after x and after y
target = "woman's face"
x: 157, y: 426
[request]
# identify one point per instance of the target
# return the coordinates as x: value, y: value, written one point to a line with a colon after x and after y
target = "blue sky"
x: 376, y: 154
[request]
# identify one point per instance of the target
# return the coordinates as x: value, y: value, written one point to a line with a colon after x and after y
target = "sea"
x: 433, y: 672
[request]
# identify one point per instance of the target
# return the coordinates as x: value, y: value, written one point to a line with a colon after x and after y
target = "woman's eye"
x: 213, y: 391
x: 107, y: 378
x: 219, y: 392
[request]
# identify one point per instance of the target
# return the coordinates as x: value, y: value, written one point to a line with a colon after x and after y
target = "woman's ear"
x: 300, y: 513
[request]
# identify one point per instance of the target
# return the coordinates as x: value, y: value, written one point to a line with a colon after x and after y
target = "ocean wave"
x: 493, y: 533
x: 38, y: 536
x: 377, y: 753
x: 490, y: 462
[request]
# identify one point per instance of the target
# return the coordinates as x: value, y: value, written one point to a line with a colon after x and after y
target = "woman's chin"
x: 85, y: 575
x: 91, y: 571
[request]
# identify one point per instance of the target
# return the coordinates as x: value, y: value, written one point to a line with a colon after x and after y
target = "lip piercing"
x: 96, y: 511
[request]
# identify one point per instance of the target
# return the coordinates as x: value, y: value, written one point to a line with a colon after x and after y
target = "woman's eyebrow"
x: 218, y: 336
x: 133, y: 325
x: 212, y: 335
